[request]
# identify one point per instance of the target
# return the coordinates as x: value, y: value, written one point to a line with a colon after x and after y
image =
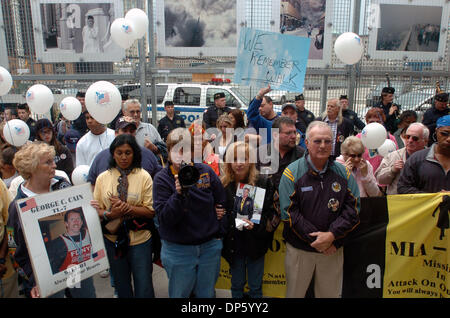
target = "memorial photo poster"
x: 198, y: 27
x: 74, y: 31
x: 248, y: 203
x: 64, y: 238
x: 309, y: 19
x: 394, y: 34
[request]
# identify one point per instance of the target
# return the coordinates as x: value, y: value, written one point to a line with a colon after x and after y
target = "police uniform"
x: 352, y: 116
x: 390, y: 124
x: 305, y: 116
x: 166, y: 125
x: 212, y: 113
x: 432, y: 115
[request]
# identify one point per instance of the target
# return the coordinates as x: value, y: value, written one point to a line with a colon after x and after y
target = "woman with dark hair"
x: 123, y: 200
x: 45, y: 132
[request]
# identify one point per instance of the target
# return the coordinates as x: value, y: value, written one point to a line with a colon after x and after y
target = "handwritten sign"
x: 271, y: 58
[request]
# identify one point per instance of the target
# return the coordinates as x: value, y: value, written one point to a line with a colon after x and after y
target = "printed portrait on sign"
x: 67, y: 240
x: 248, y: 202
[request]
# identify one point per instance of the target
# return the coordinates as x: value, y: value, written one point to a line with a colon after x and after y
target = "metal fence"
x: 410, y: 71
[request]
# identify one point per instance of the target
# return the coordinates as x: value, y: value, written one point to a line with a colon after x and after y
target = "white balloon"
x: 40, y: 98
x: 5, y: 81
x: 140, y: 21
x: 80, y: 174
x: 70, y: 107
x: 373, y: 135
x: 122, y: 32
x: 103, y: 101
x: 16, y: 132
x: 387, y: 147
x: 349, y: 48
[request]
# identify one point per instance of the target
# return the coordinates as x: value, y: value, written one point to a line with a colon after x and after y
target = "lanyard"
x: 79, y: 248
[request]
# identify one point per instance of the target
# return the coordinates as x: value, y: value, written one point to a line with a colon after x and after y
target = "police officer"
x: 350, y: 114
x: 170, y: 121
x: 213, y: 112
x: 305, y: 117
x: 439, y: 109
x: 391, y: 110
x: 23, y: 111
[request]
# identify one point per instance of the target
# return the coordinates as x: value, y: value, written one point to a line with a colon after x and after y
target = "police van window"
x: 210, y: 96
x: 189, y: 96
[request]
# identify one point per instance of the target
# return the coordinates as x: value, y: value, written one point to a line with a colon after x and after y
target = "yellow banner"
x: 417, y: 256
x: 274, y: 280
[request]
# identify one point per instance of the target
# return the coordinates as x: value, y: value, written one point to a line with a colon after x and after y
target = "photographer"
x: 191, y: 221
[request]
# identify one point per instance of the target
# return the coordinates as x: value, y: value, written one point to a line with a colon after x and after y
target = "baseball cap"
x: 288, y: 105
x: 71, y: 138
x: 125, y: 121
x: 444, y: 121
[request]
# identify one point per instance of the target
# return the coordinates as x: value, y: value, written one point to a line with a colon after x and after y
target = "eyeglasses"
x: 353, y: 155
x: 319, y: 141
x: 414, y: 138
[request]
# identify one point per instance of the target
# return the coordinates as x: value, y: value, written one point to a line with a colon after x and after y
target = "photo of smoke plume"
x: 200, y: 23
x: 400, y: 32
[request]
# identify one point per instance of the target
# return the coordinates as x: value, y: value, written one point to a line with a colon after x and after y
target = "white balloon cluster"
x: 374, y: 136
x: 124, y: 31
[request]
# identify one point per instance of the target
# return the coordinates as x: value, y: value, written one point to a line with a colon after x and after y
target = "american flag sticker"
x: 102, y: 97
x: 98, y: 255
x: 27, y: 205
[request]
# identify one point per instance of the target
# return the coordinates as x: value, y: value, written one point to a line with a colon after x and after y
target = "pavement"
x: 160, y: 284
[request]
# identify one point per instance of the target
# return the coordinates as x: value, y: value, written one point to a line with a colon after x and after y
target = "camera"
x: 188, y: 175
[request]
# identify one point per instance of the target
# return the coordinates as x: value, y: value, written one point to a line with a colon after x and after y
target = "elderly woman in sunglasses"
x: 352, y: 150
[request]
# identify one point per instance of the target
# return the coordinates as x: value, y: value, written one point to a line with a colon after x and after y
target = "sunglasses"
x: 352, y: 155
x: 414, y: 138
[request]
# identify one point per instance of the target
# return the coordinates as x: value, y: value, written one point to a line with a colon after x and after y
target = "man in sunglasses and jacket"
x: 426, y: 171
x: 388, y: 173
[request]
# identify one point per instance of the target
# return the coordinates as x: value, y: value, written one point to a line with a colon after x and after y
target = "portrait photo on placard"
x: 248, y: 202
x: 67, y: 240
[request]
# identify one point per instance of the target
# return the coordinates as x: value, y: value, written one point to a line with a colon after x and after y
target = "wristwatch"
x: 2, y: 260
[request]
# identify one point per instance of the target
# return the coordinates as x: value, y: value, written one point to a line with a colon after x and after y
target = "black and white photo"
x: 70, y: 31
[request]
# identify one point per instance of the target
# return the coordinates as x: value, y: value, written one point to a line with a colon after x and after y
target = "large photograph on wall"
x: 309, y: 19
x: 198, y: 27
x: 409, y: 30
x: 76, y: 31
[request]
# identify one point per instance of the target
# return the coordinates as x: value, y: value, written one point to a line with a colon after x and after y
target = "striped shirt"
x: 333, y: 125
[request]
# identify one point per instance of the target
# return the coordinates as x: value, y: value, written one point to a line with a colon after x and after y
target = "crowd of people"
x: 313, y: 170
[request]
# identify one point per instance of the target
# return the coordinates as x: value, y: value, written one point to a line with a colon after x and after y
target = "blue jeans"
x: 86, y: 290
x: 245, y: 266
x: 192, y: 268
x: 137, y: 261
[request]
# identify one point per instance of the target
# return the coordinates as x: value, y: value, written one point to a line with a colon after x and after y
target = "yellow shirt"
x: 140, y: 186
x: 5, y: 200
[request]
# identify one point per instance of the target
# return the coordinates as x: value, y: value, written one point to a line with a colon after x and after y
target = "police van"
x: 190, y: 99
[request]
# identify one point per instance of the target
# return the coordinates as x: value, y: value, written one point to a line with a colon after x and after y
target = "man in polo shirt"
x: 170, y: 121
x: 146, y: 135
x: 213, y: 112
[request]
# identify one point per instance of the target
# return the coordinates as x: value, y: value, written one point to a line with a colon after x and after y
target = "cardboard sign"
x: 271, y: 58
x: 64, y: 238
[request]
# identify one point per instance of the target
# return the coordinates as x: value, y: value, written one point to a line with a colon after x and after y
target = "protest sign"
x: 271, y: 58
x: 64, y: 238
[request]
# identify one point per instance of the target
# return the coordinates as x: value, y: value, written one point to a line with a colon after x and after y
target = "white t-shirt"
x: 90, y: 145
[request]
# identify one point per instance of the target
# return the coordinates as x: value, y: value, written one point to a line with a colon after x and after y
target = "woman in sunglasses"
x: 352, y: 150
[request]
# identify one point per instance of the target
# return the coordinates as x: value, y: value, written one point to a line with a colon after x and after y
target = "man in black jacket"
x: 213, y: 112
x: 439, y: 109
x: 391, y: 110
x: 170, y: 121
x: 350, y: 114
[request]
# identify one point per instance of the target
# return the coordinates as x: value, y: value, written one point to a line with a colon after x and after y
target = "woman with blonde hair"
x: 35, y: 163
x: 352, y: 150
x: 245, y: 249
